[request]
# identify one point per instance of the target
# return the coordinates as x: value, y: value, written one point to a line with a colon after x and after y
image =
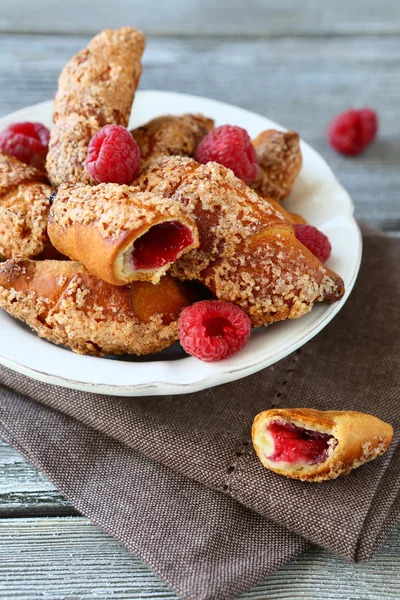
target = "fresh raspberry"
x: 113, y: 156
x: 26, y: 141
x: 230, y: 146
x: 314, y: 240
x: 353, y: 130
x: 211, y: 330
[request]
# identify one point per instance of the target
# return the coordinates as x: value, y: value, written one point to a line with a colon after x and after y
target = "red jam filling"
x: 160, y: 245
x: 294, y: 444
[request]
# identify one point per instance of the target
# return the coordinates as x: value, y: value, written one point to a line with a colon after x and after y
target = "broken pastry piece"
x: 120, y: 233
x: 248, y: 253
x: 67, y: 305
x: 313, y: 445
x: 279, y: 160
x: 171, y: 136
x: 24, y: 206
x: 95, y: 88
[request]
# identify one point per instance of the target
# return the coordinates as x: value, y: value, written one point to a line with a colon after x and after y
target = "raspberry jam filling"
x: 160, y: 245
x: 294, y: 444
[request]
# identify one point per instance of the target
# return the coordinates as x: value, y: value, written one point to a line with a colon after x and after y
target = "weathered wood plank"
x: 25, y: 492
x: 204, y: 17
x: 69, y: 557
x: 300, y: 83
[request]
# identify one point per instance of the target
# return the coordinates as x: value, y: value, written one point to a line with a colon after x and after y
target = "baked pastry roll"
x: 24, y: 206
x: 279, y: 160
x: 290, y: 216
x: 118, y: 232
x: 65, y: 304
x: 171, y: 136
x: 95, y: 88
x: 314, y: 445
x: 248, y: 253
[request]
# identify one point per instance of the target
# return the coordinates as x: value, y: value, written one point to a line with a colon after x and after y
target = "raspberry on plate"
x: 211, y: 330
x: 28, y: 142
x: 231, y: 147
x: 113, y: 156
x: 353, y: 130
x: 313, y: 239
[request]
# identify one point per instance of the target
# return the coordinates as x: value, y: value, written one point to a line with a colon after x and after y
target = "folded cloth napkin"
x: 175, y: 478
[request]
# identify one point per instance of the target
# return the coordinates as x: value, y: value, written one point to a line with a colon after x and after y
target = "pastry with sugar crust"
x: 120, y: 233
x: 170, y: 135
x: 248, y: 253
x: 290, y: 216
x: 279, y: 162
x: 65, y: 304
x: 314, y: 445
x: 95, y: 88
x: 24, y: 206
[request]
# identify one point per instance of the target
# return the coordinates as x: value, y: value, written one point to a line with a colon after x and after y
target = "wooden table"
x: 298, y: 63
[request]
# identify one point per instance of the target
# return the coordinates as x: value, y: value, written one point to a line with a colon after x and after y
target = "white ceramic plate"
x: 317, y: 196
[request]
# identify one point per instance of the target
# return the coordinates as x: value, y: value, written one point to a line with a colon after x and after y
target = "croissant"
x: 95, y: 88
x: 314, y: 445
x: 248, y: 253
x: 279, y: 160
x: 67, y: 305
x: 120, y: 233
x: 169, y: 136
x: 24, y: 205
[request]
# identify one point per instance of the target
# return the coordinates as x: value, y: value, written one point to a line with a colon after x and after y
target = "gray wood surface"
x: 298, y: 63
x: 68, y: 557
x: 204, y: 17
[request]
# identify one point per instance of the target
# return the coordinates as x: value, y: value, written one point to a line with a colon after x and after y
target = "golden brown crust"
x: 280, y: 161
x: 96, y: 88
x: 171, y: 136
x: 290, y: 216
x: 69, y: 141
x: 24, y: 206
x: 13, y: 173
x: 357, y: 438
x: 65, y: 304
x: 248, y: 253
x: 98, y: 226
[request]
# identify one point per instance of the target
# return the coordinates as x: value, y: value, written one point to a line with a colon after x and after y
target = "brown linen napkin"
x: 352, y: 364
x: 203, y: 544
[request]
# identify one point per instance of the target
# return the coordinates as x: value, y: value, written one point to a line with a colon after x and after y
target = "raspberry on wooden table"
x: 231, y: 147
x: 113, y: 156
x: 28, y: 142
x: 212, y: 330
x: 353, y: 130
x: 313, y: 239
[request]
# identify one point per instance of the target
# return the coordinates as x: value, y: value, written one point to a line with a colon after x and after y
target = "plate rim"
x: 173, y: 387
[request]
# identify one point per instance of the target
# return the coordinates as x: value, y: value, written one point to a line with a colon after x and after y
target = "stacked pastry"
x: 135, y: 249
